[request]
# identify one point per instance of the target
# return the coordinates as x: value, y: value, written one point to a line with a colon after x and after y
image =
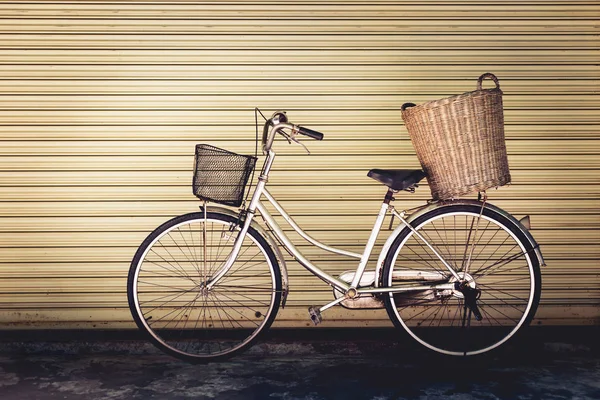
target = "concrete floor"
x: 541, y: 366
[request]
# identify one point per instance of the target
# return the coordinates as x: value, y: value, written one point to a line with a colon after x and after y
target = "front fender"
x: 270, y: 240
x: 433, y: 206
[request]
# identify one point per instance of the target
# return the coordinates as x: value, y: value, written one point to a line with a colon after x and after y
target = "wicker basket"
x: 460, y: 141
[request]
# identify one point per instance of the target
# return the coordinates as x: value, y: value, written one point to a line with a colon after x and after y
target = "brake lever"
x: 292, y: 138
x: 286, y: 136
x: 301, y: 144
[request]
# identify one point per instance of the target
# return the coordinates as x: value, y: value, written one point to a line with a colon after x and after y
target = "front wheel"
x: 497, y: 270
x: 167, y: 291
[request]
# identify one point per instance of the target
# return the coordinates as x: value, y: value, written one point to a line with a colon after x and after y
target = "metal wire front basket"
x: 221, y: 176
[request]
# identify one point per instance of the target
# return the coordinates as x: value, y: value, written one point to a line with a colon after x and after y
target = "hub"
x: 465, y: 289
x: 203, y: 291
x: 465, y: 280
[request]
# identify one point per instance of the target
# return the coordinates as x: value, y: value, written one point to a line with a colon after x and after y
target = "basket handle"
x: 487, y: 75
x: 407, y: 105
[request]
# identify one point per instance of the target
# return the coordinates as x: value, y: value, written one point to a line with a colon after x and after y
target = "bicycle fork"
x: 250, y: 211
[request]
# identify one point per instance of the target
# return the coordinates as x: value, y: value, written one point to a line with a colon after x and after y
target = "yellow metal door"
x: 101, y: 104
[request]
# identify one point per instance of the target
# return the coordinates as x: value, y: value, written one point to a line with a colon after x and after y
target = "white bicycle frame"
x: 351, y: 290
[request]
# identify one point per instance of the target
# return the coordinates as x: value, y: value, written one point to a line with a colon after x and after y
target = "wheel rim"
x: 173, y: 304
x: 499, y: 266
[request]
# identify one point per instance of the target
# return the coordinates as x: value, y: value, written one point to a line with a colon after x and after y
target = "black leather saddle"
x: 397, y: 179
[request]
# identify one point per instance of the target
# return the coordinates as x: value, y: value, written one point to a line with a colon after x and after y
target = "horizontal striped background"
x: 101, y: 104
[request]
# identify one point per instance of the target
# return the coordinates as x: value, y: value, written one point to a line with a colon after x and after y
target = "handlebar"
x: 310, y: 133
x: 278, y: 122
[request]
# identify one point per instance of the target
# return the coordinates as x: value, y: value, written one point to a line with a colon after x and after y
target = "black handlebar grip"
x: 310, y: 133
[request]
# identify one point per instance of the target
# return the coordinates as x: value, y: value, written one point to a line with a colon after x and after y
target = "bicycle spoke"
x: 507, y: 272
x: 445, y: 241
x: 490, y: 257
x: 243, y: 266
x: 168, y: 314
x: 421, y: 257
x: 191, y: 258
x: 488, y: 242
x: 412, y: 260
x: 442, y: 314
x: 457, y: 311
x: 499, y: 264
x: 168, y: 295
x: 241, y: 314
x: 246, y: 267
x: 212, y: 227
x: 176, y: 245
x: 222, y: 306
x: 183, y: 310
x: 239, y: 303
x: 165, y: 286
x: 500, y: 312
x: 195, y: 255
x: 219, y: 252
x: 431, y: 241
x: 247, y: 297
x: 266, y: 288
x: 468, y: 241
x: 229, y: 279
x: 489, y: 288
x: 179, y: 268
x: 489, y: 316
x: 504, y: 302
x: 148, y: 271
x: 427, y: 308
x: 416, y: 301
x: 476, y: 242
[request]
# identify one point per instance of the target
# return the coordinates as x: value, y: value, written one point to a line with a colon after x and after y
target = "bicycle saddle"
x: 397, y: 179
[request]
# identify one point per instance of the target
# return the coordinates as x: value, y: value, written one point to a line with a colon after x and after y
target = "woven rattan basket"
x: 460, y: 141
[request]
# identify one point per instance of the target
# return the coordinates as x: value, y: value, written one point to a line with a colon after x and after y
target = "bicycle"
x: 461, y: 277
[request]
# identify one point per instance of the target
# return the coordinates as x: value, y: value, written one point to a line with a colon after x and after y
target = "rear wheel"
x: 169, y: 300
x: 496, y: 267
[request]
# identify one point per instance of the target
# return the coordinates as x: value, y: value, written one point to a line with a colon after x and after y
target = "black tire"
x: 169, y: 303
x: 502, y: 265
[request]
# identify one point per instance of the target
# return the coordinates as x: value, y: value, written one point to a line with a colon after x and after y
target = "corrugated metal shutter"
x: 101, y: 104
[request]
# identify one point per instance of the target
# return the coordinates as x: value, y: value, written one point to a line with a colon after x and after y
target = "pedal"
x: 315, y: 315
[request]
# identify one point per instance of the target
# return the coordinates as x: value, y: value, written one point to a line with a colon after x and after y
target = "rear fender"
x: 433, y: 206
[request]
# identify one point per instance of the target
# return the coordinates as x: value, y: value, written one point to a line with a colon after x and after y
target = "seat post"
x: 389, y: 196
